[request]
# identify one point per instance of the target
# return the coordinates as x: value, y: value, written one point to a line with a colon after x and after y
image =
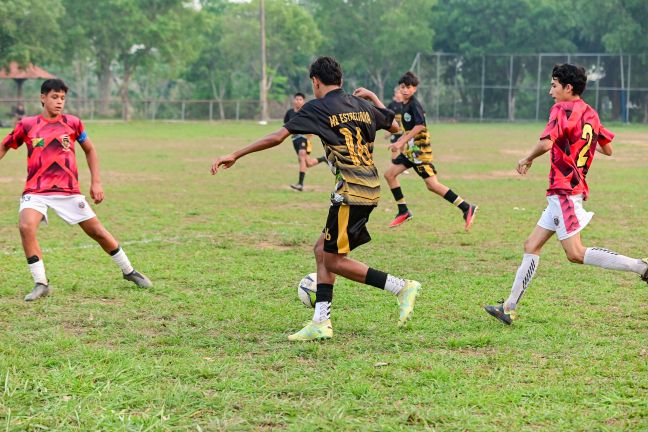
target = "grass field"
x: 206, y: 348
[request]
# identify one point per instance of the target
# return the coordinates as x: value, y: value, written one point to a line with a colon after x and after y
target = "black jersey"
x: 347, y: 126
x: 290, y: 114
x: 396, y: 107
x: 419, y: 148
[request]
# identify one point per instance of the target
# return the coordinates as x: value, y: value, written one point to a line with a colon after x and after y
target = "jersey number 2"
x: 583, y: 155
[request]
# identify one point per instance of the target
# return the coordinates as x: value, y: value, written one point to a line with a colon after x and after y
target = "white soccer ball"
x: 307, y: 289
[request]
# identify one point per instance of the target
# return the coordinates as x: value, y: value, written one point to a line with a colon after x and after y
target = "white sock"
x: 394, y: 284
x: 522, y: 280
x: 122, y: 261
x: 613, y: 261
x: 322, y: 312
x: 37, y: 270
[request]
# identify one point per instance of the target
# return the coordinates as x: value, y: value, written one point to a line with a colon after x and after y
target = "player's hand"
x: 224, y: 161
x: 96, y: 193
x: 363, y: 93
x: 523, y: 166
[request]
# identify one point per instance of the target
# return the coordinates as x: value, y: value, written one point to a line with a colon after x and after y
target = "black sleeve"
x: 384, y: 117
x: 304, y: 122
x: 418, y: 114
x: 287, y: 117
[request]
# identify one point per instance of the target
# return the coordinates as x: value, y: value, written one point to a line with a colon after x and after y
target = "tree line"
x: 210, y: 49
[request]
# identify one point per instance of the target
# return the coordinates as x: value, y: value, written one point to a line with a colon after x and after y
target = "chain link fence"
x: 510, y: 87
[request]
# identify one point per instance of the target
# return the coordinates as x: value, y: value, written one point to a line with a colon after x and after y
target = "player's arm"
x: 542, y: 147
x: 400, y: 144
x: 268, y: 141
x: 604, y: 149
x: 96, y: 190
x: 13, y: 140
x: 3, y: 151
x: 371, y: 96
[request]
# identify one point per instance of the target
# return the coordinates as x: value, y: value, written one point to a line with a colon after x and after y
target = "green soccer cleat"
x: 313, y: 331
x: 406, y: 300
x: 499, y: 313
x: 40, y: 290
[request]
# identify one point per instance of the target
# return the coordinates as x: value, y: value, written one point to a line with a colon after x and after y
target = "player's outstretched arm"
x: 268, y: 141
x: 606, y: 149
x: 542, y: 147
x: 96, y: 190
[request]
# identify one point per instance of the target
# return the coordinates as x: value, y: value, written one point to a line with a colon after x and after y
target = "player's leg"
x: 28, y: 223
x: 95, y: 230
x: 506, y: 312
x: 397, y: 167
x: 604, y: 258
x: 311, y: 162
x: 302, y: 157
x: 428, y: 172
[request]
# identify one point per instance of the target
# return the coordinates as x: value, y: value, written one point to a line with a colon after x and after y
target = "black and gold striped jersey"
x: 419, y: 148
x: 347, y: 127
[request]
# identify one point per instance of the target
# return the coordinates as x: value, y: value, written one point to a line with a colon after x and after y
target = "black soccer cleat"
x: 644, y: 277
x: 498, y: 312
x: 138, y: 279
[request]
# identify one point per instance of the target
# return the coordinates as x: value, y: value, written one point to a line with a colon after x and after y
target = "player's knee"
x: 530, y: 247
x: 332, y: 262
x: 575, y: 257
x: 26, y: 229
x: 389, y: 176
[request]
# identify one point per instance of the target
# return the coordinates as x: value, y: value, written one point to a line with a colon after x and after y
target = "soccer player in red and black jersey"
x: 347, y: 126
x: 413, y: 150
x: 52, y: 182
x: 573, y: 134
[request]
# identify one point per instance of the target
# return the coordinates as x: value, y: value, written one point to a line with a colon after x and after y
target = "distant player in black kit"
x: 302, y: 143
x: 347, y: 126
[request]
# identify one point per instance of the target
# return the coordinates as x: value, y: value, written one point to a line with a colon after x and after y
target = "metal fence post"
x: 182, y: 115
x: 538, y: 87
x: 510, y: 92
x: 598, y: 82
x: 238, y: 106
x: 628, y: 91
x: 483, y: 83
x: 437, y: 90
x: 211, y: 110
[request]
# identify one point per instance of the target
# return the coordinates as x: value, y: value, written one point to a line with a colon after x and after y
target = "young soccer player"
x: 301, y: 143
x: 52, y: 182
x: 347, y: 126
x: 572, y: 135
x: 413, y: 150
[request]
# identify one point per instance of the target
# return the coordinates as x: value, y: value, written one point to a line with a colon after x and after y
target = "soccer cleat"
x: 297, y: 187
x: 406, y: 299
x: 401, y: 218
x: 499, y: 313
x: 138, y: 279
x: 313, y: 331
x: 469, y: 216
x: 644, y: 277
x: 40, y: 290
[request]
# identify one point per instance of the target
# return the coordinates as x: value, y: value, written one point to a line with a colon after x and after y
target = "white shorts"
x: 71, y: 208
x: 565, y: 215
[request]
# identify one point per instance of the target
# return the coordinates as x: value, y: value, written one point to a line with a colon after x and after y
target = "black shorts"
x: 346, y: 228
x: 302, y: 143
x: 424, y: 169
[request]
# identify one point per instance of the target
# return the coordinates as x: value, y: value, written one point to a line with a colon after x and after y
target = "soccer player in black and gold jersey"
x: 301, y: 143
x: 414, y: 151
x: 347, y: 126
x: 396, y: 105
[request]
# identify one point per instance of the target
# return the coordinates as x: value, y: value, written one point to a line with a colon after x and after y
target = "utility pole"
x: 263, y: 94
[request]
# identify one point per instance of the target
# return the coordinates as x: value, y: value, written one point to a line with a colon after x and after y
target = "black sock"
x: 398, y: 195
x: 33, y: 259
x: 452, y: 197
x: 324, y: 293
x: 116, y: 251
x: 321, y: 159
x: 301, y: 177
x: 376, y: 278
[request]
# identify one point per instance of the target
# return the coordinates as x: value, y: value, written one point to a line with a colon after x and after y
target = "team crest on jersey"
x: 65, y: 142
x: 38, y: 142
x: 407, y: 117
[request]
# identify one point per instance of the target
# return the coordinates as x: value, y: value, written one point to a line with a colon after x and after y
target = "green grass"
x: 206, y: 349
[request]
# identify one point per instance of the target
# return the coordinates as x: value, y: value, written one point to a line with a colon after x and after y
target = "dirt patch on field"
x: 273, y: 246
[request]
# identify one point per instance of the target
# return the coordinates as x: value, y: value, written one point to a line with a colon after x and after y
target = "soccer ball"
x: 307, y: 289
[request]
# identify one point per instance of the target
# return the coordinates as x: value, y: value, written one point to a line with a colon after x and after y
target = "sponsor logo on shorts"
x: 25, y: 198
x: 81, y: 205
x: 556, y: 221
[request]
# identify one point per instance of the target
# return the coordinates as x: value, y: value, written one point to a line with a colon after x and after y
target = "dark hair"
x: 299, y: 94
x: 570, y: 74
x: 409, y: 79
x: 53, y: 85
x: 327, y: 70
